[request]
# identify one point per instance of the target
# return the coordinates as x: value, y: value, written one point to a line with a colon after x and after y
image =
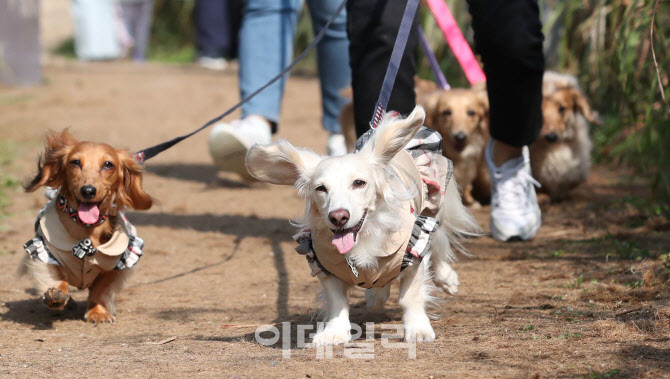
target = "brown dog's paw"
x: 55, y: 299
x: 99, y: 314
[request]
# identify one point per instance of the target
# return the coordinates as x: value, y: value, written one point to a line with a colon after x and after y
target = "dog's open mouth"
x: 345, y: 239
x: 459, y: 145
x: 88, y: 213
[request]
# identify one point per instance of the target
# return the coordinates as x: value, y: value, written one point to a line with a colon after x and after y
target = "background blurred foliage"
x: 605, y: 43
x: 172, y: 32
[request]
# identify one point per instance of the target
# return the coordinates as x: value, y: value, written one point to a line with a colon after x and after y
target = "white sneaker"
x: 229, y: 142
x: 210, y: 63
x: 336, y: 145
x: 515, y: 214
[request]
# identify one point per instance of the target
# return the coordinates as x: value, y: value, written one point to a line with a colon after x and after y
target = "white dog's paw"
x: 419, y: 331
x: 447, y: 280
x: 331, y: 337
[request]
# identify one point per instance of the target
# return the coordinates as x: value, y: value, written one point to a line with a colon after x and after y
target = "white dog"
x: 365, y: 222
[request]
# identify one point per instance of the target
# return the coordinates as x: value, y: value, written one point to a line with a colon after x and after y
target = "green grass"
x: 596, y: 375
x: 7, y: 182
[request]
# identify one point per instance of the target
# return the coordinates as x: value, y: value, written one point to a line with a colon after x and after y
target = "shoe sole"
x: 515, y: 238
x: 229, y: 154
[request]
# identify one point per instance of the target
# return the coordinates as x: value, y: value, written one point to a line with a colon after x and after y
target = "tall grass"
x: 609, y: 46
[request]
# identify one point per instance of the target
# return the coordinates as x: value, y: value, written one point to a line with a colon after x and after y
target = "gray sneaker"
x: 515, y: 214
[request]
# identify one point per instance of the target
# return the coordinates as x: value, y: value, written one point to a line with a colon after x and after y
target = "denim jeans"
x: 266, y: 47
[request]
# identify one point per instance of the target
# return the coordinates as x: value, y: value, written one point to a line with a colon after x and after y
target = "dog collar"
x: 74, y: 216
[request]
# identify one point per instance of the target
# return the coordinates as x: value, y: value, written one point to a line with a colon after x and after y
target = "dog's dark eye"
x: 447, y: 112
x: 321, y: 188
x: 359, y: 183
x: 561, y: 109
x: 471, y: 112
x: 75, y: 163
x: 108, y: 165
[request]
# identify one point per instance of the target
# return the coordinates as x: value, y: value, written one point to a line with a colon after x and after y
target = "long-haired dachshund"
x: 561, y: 156
x: 81, y: 236
x: 461, y: 116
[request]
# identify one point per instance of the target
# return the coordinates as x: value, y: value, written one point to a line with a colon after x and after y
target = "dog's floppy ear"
x: 281, y: 163
x: 583, y: 106
x: 394, y: 134
x: 130, y: 192
x: 482, y: 95
x: 430, y: 103
x: 51, y: 164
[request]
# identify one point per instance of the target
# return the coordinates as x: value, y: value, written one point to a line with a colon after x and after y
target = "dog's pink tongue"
x: 344, y: 242
x: 88, y: 213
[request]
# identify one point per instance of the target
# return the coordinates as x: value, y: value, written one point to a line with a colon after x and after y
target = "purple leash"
x: 394, y: 62
x: 439, y: 76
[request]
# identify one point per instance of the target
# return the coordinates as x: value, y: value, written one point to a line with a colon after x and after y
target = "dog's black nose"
x: 551, y: 137
x: 460, y: 136
x: 339, y: 217
x: 88, y: 192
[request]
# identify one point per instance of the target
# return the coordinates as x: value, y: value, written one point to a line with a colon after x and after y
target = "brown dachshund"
x: 82, y: 237
x: 461, y: 116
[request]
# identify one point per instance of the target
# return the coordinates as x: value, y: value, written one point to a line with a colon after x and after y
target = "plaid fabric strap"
x: 39, y: 251
x: 419, y: 242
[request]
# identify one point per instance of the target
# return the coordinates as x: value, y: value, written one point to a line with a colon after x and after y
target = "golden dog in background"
x: 560, y: 158
x: 461, y: 116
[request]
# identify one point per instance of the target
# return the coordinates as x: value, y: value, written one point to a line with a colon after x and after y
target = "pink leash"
x: 446, y: 22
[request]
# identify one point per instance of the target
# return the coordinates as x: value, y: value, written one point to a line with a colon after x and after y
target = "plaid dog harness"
x: 80, y: 260
x: 422, y: 165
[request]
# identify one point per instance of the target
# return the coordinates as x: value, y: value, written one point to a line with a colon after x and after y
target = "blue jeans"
x: 266, y: 47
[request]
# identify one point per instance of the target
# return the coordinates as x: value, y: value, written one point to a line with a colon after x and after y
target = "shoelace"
x: 512, y: 193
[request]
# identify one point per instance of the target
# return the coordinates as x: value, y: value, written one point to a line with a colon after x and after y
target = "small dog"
x: 81, y: 236
x: 367, y: 221
x: 561, y: 156
x: 461, y: 116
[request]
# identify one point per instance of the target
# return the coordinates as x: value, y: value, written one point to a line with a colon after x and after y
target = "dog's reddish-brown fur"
x: 461, y: 116
x: 69, y: 164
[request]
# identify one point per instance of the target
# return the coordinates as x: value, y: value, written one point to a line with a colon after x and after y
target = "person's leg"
x: 212, y: 28
x: 372, y: 26
x: 265, y: 48
x: 332, y: 59
x: 508, y: 35
x: 142, y: 29
x: 125, y: 29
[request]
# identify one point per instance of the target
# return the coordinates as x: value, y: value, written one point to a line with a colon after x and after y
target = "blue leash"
x: 394, y: 62
x: 151, y: 152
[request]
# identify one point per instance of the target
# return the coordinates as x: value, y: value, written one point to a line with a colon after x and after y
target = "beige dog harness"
x: 81, y: 261
x: 420, y: 166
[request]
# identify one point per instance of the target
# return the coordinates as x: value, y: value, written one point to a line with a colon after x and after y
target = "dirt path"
x: 575, y: 301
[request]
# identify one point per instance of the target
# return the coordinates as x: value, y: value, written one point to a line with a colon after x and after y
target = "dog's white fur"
x: 564, y: 163
x: 381, y: 196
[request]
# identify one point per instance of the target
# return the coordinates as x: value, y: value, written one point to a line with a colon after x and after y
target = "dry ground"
x: 582, y: 299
